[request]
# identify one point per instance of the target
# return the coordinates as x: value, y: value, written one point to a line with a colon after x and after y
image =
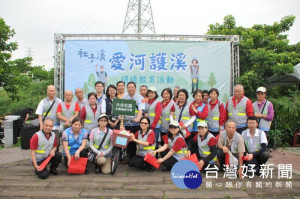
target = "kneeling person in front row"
x: 74, y: 141
x: 204, y: 144
x: 42, y: 144
x: 231, y: 143
x: 174, y: 148
x: 101, y: 144
x: 256, y: 144
x: 145, y: 138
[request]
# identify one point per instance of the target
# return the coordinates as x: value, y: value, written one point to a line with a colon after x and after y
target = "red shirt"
x: 77, y: 107
x: 83, y: 112
x: 34, y: 141
x: 212, y: 141
x: 249, y: 107
x: 221, y: 110
x: 202, y: 115
x: 179, y: 144
x: 192, y: 113
x: 164, y: 137
x: 150, y: 138
x: 165, y: 105
x: 158, y: 109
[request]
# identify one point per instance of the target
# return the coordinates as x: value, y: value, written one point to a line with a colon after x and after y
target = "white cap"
x: 101, y: 116
x: 152, y: 88
x: 174, y: 123
x: 261, y: 89
x: 202, y: 123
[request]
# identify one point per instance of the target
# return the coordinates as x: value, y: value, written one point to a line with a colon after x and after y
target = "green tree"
x: 264, y: 50
x: 16, y: 74
x: 30, y: 97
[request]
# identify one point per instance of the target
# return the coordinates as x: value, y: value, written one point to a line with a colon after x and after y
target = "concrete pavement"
x: 17, y: 180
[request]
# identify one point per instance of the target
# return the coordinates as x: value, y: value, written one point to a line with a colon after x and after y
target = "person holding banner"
x: 44, y: 144
x: 204, y: 144
x: 145, y: 139
x: 216, y: 111
x: 113, y: 122
x: 194, y: 74
x: 101, y: 144
x: 153, y: 111
x: 90, y: 113
x: 74, y: 140
x: 174, y: 148
x: 132, y: 122
x: 166, y: 105
x: 200, y: 109
x: 182, y: 113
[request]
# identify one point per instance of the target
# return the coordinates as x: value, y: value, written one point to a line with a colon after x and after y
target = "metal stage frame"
x: 59, y: 40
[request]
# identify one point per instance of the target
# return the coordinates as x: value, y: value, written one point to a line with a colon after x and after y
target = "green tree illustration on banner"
x: 212, y: 80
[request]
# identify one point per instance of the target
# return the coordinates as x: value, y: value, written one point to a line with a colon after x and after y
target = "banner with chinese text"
x: 153, y: 63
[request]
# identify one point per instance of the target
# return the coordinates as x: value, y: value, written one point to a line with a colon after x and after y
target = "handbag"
x: 91, y: 154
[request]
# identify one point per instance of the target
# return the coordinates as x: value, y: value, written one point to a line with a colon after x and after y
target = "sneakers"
x: 54, y: 172
x: 86, y: 171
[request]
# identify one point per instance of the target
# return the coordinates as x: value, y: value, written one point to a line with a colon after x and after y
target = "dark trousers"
x: 54, y: 164
x: 259, y: 160
x: 131, y: 147
x: 168, y: 163
x: 240, y: 130
x: 82, y: 154
x: 137, y: 161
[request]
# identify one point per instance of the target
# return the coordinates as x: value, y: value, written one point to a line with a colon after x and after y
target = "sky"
x: 36, y: 21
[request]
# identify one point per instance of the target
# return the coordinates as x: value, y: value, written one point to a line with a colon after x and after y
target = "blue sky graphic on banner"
x: 153, y: 63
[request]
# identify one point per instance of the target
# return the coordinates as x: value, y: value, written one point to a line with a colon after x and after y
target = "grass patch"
x: 18, y: 144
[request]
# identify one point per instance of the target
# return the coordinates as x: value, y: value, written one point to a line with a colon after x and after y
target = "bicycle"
x: 120, y: 142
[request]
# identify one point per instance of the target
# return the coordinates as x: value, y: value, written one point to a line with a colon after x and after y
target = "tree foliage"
x: 16, y: 74
x: 264, y: 50
x: 30, y: 97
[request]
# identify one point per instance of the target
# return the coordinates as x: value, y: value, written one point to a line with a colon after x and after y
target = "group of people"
x: 170, y: 128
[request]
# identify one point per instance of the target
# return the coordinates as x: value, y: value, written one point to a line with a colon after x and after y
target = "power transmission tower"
x: 29, y: 52
x: 139, y: 17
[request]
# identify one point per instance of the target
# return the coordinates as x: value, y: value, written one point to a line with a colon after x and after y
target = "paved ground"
x: 17, y: 180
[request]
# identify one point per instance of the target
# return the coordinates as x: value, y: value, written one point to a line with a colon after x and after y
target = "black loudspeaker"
x: 26, y: 134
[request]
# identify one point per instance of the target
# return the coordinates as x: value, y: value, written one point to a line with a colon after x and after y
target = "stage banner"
x: 187, y: 64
